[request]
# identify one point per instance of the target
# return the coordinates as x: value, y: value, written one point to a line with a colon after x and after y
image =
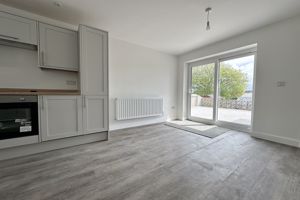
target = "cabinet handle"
x: 9, y: 37
x: 42, y: 58
x: 84, y: 101
x: 42, y: 98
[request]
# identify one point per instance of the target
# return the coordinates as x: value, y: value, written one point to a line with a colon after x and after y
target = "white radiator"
x: 133, y: 108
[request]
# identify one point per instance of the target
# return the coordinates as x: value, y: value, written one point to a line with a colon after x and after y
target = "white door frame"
x: 217, y: 60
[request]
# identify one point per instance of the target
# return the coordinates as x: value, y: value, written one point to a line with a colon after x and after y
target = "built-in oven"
x: 18, y: 117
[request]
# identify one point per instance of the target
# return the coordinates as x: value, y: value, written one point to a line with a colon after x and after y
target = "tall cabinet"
x: 68, y: 116
x: 93, y: 45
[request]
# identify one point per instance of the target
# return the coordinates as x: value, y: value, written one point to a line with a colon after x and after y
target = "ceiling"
x: 171, y: 26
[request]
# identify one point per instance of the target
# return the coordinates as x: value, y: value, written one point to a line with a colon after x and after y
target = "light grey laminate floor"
x: 157, y: 162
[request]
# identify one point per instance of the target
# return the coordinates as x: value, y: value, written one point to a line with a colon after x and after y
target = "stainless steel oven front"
x: 18, y: 116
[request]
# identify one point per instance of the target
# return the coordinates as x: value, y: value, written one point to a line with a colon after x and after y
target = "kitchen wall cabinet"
x: 18, y: 29
x: 58, y: 48
x: 93, y: 61
x: 60, y: 116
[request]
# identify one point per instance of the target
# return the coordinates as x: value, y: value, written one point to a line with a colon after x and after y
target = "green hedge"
x: 233, y: 82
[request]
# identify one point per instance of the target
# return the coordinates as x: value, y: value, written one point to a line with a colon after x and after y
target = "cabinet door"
x: 17, y: 29
x: 93, y: 61
x: 61, y: 116
x: 95, y: 112
x: 58, y: 48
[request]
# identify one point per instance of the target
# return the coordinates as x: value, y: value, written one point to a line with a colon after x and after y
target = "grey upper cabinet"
x: 58, y: 48
x: 18, y: 29
x: 93, y: 61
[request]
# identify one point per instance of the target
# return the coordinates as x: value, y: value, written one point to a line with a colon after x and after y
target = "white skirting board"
x: 51, y: 145
x: 125, y: 124
x: 277, y: 139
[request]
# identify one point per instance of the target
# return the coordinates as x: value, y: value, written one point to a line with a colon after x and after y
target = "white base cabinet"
x: 95, y: 111
x: 61, y: 116
x: 67, y: 116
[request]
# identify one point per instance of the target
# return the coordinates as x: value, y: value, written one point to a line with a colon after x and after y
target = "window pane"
x: 203, y: 91
x: 235, y: 90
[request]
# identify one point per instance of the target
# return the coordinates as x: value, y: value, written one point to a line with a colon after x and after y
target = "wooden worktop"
x: 21, y: 91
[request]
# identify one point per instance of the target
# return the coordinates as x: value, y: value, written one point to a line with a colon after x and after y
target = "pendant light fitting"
x: 208, y: 10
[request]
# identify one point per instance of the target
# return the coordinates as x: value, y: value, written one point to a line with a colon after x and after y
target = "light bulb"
x: 208, y: 26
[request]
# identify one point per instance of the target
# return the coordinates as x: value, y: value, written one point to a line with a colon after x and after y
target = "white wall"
x: 136, y: 71
x: 277, y: 109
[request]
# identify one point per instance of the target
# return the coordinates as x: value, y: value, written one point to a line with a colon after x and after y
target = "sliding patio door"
x: 201, y: 95
x: 221, y: 90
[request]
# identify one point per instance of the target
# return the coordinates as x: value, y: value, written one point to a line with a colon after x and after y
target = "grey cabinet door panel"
x: 61, y: 117
x: 93, y: 61
x: 58, y: 48
x: 18, y: 29
x: 95, y: 112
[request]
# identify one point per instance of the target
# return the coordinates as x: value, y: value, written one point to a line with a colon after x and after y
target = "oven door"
x: 18, y: 119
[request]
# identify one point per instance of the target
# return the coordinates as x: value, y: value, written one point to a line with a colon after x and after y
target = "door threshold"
x: 235, y: 127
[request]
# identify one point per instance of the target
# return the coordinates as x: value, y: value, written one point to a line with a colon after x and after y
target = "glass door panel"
x: 235, y: 90
x: 202, y: 87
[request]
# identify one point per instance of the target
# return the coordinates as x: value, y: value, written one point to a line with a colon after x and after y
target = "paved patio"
x: 224, y: 114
